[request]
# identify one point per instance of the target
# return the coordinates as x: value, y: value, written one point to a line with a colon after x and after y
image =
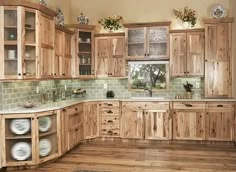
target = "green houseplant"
x: 187, y: 15
x: 111, y: 23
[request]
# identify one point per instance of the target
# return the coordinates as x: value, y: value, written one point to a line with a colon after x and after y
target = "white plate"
x: 20, y: 126
x: 45, y: 147
x: 218, y: 11
x: 45, y: 123
x: 21, y: 151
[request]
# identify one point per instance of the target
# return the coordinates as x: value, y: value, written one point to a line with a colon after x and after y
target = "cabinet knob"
x: 147, y: 54
x: 63, y: 110
x: 55, y: 74
x: 109, y: 111
x: 24, y: 74
x: 19, y: 74
x: 76, y: 108
x: 110, y: 121
x: 188, y: 105
x: 220, y: 105
x: 205, y: 60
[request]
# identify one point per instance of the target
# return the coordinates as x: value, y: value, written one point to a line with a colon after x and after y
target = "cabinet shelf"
x: 84, y: 42
x: 10, y: 59
x: 135, y: 43
x: 29, y: 28
x: 47, y: 133
x: 159, y: 42
x: 18, y: 137
x: 84, y: 52
x: 31, y: 44
x: 85, y: 64
x: 29, y: 59
x: 14, y: 42
x: 10, y: 27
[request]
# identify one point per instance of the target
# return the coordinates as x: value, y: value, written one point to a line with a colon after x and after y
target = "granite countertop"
x: 69, y: 102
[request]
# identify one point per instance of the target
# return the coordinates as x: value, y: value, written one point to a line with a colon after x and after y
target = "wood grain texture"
x: 91, y: 120
x: 134, y: 157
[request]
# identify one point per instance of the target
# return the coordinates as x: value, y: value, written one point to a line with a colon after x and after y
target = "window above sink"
x: 153, y: 74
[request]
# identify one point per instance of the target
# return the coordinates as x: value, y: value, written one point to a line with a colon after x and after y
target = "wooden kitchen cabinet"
x: 83, y: 63
x: 147, y: 40
x: 91, y: 120
x: 187, y: 52
x: 12, y: 136
x: 46, y: 45
x: 146, y: 120
x: 218, y: 61
x: 110, y: 119
x: 189, y: 121
x: 63, y: 53
x: 109, y: 55
x: 220, y: 121
x: 72, y: 127
x: 47, y: 135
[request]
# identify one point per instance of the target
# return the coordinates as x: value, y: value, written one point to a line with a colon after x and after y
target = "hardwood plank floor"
x: 137, y: 157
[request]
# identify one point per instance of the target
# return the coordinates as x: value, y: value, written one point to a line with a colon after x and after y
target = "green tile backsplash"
x: 12, y: 95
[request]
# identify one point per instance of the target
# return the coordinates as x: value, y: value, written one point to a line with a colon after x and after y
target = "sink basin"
x: 149, y: 98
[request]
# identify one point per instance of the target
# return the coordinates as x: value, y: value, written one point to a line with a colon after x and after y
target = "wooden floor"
x: 122, y: 157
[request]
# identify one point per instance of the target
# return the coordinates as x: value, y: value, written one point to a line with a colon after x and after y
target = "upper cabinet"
x: 84, y: 50
x: 109, y: 55
x: 147, y: 41
x: 63, y: 53
x: 187, y: 52
x: 218, y: 61
x: 26, y: 40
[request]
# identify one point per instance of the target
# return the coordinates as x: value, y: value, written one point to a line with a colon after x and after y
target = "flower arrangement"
x: 188, y: 15
x: 111, y: 22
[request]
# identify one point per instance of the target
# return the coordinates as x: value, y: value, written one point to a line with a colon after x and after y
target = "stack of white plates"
x: 21, y: 151
x: 20, y: 126
x: 45, y: 124
x: 45, y: 147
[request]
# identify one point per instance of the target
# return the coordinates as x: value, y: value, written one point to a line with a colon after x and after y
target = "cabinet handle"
x: 110, y: 121
x: 220, y: 105
x: 110, y: 132
x: 63, y: 74
x: 188, y: 105
x: 76, y: 109
x: 147, y: 54
x: 19, y: 74
x: 76, y: 129
x: 63, y: 110
x: 185, y: 72
x: 55, y: 74
x: 24, y: 73
x: 205, y: 60
x: 109, y: 104
x: 109, y: 111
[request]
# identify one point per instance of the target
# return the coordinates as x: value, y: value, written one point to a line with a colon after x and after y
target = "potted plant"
x: 188, y: 16
x: 111, y: 23
x: 188, y: 87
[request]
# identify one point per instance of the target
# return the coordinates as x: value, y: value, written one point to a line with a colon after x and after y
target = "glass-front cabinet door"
x: 11, y: 41
x: 158, y: 43
x: 29, y: 44
x: 17, y: 42
x: 85, y: 53
x: 136, y: 43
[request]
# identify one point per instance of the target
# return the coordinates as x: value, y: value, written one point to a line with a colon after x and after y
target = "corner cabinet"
x: 146, y: 41
x: 218, y: 61
x: 26, y: 40
x: 109, y: 55
x: 187, y: 52
x: 83, y: 63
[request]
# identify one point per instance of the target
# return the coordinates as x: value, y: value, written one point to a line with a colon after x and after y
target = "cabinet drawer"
x: 110, y: 104
x: 145, y: 105
x: 189, y: 105
x: 110, y: 132
x: 157, y: 105
x: 110, y: 120
x: 219, y: 106
x: 111, y: 111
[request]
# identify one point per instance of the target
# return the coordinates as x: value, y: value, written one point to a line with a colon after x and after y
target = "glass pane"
x: 136, y: 50
x: 157, y: 35
x: 143, y: 74
x: 29, y: 27
x: 10, y: 66
x: 157, y: 49
x: 30, y: 61
x: 136, y: 36
x: 10, y: 25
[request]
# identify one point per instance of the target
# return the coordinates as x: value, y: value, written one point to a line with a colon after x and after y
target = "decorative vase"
x: 82, y: 19
x: 189, y: 95
x: 186, y: 24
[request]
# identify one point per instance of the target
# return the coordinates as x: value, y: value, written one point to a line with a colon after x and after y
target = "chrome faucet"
x: 149, y: 90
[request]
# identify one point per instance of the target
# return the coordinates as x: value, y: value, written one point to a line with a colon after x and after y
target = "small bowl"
x: 29, y: 104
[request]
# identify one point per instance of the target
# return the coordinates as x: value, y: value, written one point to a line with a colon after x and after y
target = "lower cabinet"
x: 220, y: 121
x: 146, y: 120
x: 91, y: 120
x: 189, y: 120
x: 157, y: 124
x: 110, y: 119
x: 72, y: 127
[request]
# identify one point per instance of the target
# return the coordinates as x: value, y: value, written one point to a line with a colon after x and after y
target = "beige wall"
x: 64, y: 5
x: 141, y: 10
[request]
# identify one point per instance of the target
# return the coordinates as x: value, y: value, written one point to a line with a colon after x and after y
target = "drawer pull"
x: 110, y: 132
x: 109, y: 111
x: 220, y: 105
x: 188, y: 105
x: 109, y: 104
x: 110, y: 121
